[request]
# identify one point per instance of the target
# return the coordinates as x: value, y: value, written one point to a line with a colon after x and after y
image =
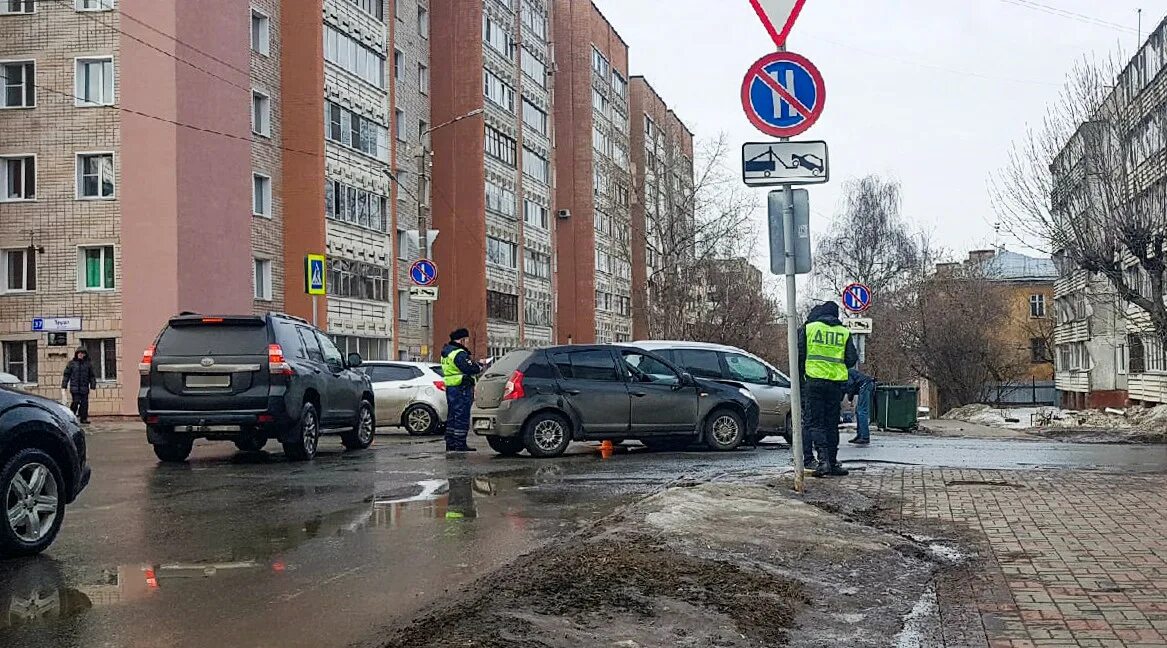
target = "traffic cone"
x: 606, y: 448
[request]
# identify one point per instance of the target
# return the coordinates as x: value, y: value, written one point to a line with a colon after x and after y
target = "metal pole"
x: 792, y: 342
x: 423, y: 235
x: 314, y: 311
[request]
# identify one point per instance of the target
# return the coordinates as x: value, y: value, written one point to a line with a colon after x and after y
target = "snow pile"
x: 1132, y: 423
x: 1014, y: 418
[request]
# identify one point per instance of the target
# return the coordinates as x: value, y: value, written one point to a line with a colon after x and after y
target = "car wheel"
x: 361, y: 435
x: 788, y: 432
x: 505, y: 446
x: 420, y: 420
x: 34, y: 503
x: 307, y: 435
x: 173, y: 450
x: 546, y: 435
x: 724, y: 430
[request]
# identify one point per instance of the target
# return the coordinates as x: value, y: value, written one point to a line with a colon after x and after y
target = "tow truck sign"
x: 777, y: 163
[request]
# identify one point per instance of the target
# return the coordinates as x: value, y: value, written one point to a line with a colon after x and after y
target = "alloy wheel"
x: 725, y: 429
x: 418, y: 420
x: 366, y: 428
x: 31, y: 502
x: 548, y: 435
x: 311, y: 433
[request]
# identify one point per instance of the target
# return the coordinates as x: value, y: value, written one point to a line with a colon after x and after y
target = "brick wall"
x: 267, y: 235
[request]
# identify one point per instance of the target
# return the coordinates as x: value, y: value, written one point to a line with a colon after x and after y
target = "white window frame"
x: 4, y: 158
x: 1035, y: 300
x: 1122, y: 359
x: 100, y: 371
x: 26, y: 3
x: 423, y: 78
x: 79, y: 101
x: 29, y: 253
x: 399, y: 124
x: 261, y: 100
x: 79, y: 178
x: 263, y: 47
x: 81, y: 268
x: 423, y: 22
x: 79, y: 5
x: 24, y: 84
x: 267, y: 192
x: 261, y: 269
x: 24, y: 374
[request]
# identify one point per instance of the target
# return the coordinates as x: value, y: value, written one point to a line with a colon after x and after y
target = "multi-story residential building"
x: 491, y: 103
x: 594, y: 182
x: 663, y: 218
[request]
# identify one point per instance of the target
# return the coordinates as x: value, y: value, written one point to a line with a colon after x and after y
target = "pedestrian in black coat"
x: 79, y: 379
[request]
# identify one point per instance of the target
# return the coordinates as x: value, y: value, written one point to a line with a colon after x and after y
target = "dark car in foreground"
x: 248, y: 379
x: 42, y: 468
x: 541, y: 400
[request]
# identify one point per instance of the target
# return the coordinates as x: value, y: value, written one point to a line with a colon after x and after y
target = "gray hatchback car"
x: 543, y: 399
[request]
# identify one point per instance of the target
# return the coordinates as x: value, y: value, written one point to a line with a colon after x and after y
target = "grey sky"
x: 931, y: 92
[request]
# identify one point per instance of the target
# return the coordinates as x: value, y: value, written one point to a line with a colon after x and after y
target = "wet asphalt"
x: 236, y: 549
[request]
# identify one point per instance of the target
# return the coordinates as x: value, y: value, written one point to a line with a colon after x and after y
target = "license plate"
x: 203, y: 381
x: 483, y: 424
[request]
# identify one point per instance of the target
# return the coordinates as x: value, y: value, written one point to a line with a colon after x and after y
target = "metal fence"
x: 1032, y: 392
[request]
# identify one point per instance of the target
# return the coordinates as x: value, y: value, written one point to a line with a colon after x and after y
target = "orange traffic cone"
x: 606, y: 448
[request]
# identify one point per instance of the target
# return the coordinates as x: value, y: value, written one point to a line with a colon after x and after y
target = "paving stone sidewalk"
x: 1071, y: 558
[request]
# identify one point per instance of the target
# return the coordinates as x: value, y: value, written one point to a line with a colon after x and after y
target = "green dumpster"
x: 896, y: 406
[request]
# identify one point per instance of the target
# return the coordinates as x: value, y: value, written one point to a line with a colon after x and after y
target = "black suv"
x: 42, y: 468
x: 250, y: 378
x: 541, y: 400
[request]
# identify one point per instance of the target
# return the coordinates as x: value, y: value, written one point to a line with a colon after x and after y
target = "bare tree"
x: 1080, y: 184
x: 733, y: 308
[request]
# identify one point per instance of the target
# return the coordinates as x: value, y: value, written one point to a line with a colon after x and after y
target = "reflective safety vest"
x: 453, y: 376
x: 826, y: 348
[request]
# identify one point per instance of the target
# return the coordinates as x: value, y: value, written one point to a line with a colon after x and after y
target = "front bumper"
x: 83, y: 480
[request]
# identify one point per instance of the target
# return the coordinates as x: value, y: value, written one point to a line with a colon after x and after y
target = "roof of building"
x: 1012, y: 266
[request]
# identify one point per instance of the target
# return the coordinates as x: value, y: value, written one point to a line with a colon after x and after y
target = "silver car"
x: 770, y: 387
x: 408, y: 394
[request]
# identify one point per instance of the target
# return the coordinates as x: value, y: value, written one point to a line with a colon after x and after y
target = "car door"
x: 659, y: 401
x: 312, y: 372
x: 343, y: 394
x: 594, y: 390
x: 394, y: 388
x: 764, y: 384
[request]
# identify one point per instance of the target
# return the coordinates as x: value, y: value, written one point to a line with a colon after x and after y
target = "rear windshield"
x: 507, y: 364
x: 213, y: 339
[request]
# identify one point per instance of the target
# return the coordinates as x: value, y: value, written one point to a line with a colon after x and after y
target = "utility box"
x: 896, y: 406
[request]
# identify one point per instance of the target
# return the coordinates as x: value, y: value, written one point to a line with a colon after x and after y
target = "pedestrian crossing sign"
x: 314, y: 274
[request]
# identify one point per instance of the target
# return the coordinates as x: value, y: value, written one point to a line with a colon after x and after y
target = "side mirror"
x: 778, y: 380
x: 687, y: 379
x: 354, y: 360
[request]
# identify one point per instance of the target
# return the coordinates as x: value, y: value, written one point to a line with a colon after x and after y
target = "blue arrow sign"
x: 423, y: 272
x: 856, y: 298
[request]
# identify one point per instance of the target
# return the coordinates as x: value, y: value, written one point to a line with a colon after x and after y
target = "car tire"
x: 307, y: 435
x: 31, y: 484
x: 546, y: 434
x: 505, y: 446
x: 173, y: 450
x: 666, y: 444
x: 361, y: 434
x: 787, y: 434
x: 724, y: 430
x: 420, y: 420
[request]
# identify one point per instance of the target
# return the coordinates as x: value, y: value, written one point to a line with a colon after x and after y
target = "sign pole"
x: 314, y: 311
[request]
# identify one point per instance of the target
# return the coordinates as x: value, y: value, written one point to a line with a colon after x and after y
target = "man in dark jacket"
x: 458, y: 370
x: 79, y: 379
x: 825, y: 352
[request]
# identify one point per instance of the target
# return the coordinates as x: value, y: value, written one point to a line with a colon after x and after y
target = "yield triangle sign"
x: 778, y: 16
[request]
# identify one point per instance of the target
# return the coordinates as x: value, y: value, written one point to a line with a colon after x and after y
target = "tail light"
x: 276, y: 363
x: 440, y: 385
x: 147, y: 360
x: 514, y: 387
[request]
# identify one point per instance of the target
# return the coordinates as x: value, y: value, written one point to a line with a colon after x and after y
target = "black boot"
x: 836, y: 468
x: 822, y: 468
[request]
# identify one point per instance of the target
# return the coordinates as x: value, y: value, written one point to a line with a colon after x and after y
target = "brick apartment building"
x: 157, y: 156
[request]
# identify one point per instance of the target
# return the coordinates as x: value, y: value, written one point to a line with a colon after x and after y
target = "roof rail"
x: 290, y: 317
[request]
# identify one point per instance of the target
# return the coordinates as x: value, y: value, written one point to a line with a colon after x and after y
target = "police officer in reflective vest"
x: 825, y: 352
x: 458, y: 370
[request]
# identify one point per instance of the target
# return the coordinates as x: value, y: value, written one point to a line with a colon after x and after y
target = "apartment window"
x: 18, y: 6
x: 18, y: 174
x: 103, y: 354
x: 501, y: 306
x: 96, y: 268
x: 355, y: 206
x: 534, y: 117
x: 19, y: 84
x: 599, y: 64
x: 260, y: 113
x: 260, y: 32
x: 403, y: 305
x: 94, y: 5
x: 260, y: 195
x: 19, y: 269
x: 422, y: 131
x: 423, y: 22
x: 500, y: 147
x: 537, y: 311
x: 649, y: 129
x: 501, y: 253
x: 620, y: 85
x: 534, y: 68
x: 600, y: 103
x: 95, y: 176
x: 498, y: 36
x: 1153, y: 358
x: 1037, y: 305
x: 353, y: 56
x: 1038, y: 351
x: 398, y: 65
x: 402, y: 245
x: 262, y: 279
x: 497, y: 91
x: 534, y: 214
x: 399, y: 124
x: 368, y: 348
x: 536, y: 264
x: 500, y: 200
x: 358, y: 280
x: 375, y: 8
x: 1122, y: 359
x: 20, y: 359
x: 423, y: 79
x: 535, y: 166
x: 94, y: 81
x: 355, y: 131
x: 534, y: 20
